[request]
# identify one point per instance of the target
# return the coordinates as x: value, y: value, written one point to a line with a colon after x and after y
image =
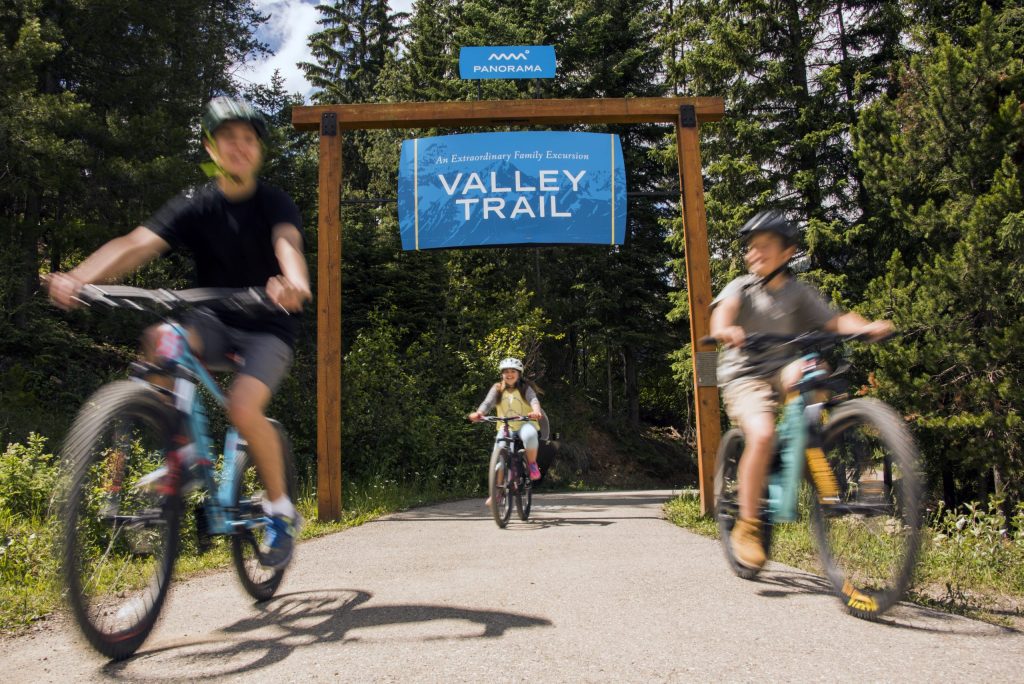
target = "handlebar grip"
x: 708, y: 339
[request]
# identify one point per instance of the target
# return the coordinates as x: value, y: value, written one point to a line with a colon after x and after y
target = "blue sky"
x: 286, y: 32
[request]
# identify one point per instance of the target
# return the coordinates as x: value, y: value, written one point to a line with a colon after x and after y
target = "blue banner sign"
x: 491, y: 189
x: 507, y: 61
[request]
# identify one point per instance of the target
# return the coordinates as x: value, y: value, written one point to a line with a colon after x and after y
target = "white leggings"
x: 528, y: 434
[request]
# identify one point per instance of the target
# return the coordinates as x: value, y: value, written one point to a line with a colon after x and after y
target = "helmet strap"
x: 768, y: 278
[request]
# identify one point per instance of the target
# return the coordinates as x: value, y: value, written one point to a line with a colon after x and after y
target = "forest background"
x: 890, y: 129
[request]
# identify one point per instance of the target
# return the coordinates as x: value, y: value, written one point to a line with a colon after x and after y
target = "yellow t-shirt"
x: 512, y: 403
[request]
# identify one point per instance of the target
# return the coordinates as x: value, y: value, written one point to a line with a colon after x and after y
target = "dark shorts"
x: 263, y: 356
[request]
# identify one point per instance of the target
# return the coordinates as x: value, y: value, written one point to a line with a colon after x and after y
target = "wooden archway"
x: 329, y: 120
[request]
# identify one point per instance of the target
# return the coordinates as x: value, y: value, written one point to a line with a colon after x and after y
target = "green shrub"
x: 28, y: 476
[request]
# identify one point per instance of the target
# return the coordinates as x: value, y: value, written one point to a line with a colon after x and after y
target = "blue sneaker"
x: 279, y: 541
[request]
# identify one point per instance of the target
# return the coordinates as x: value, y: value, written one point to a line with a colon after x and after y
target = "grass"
x: 970, y: 562
x: 30, y: 586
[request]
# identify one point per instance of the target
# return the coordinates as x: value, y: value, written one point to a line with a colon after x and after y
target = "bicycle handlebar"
x: 250, y: 300
x: 506, y: 419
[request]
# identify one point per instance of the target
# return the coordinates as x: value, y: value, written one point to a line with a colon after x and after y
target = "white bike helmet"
x: 510, y: 363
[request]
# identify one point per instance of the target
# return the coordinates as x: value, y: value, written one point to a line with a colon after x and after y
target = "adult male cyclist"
x: 240, y: 232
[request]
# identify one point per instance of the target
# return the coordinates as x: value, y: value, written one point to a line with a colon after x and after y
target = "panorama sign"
x: 507, y: 61
x: 492, y: 189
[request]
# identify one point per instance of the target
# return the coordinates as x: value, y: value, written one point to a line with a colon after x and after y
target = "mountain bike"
x: 863, y: 484
x: 508, y: 478
x: 136, y: 452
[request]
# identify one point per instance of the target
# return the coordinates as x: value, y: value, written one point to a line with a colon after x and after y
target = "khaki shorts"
x: 751, y: 396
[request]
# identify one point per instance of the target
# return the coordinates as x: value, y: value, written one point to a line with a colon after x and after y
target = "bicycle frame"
x: 800, y: 441
x: 515, y: 464
x: 187, y: 370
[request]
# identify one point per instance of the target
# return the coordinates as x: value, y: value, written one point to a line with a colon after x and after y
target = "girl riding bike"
x: 513, y: 395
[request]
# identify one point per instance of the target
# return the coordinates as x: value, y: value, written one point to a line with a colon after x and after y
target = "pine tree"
x: 794, y: 75
x: 944, y: 160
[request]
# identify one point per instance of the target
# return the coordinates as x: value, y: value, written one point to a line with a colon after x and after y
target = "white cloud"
x: 287, y: 33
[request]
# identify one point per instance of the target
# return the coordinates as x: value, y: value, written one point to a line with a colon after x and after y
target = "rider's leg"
x: 531, y: 443
x: 759, y: 441
x: 158, y: 343
x: 751, y: 403
x: 248, y: 398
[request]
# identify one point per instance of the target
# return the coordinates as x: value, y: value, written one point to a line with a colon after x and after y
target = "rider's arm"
x: 489, y: 401
x: 852, y: 323
x: 120, y: 256
x: 532, y: 399
x: 292, y: 288
x: 724, y: 314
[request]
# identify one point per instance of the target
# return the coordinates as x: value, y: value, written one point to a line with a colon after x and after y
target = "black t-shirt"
x: 231, y: 244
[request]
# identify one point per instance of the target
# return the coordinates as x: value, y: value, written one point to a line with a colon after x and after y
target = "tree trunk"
x: 948, y: 487
x: 608, y: 364
x: 632, y: 386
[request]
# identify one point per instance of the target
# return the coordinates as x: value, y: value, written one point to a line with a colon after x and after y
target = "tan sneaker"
x: 746, y: 543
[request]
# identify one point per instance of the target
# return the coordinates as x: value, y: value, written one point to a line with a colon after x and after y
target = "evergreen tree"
x: 794, y: 75
x: 943, y: 159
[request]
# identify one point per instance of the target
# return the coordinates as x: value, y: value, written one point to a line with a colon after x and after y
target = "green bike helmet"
x: 221, y: 110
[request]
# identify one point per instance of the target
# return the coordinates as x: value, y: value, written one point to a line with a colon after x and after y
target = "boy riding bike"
x: 515, y: 396
x: 240, y: 232
x: 767, y: 300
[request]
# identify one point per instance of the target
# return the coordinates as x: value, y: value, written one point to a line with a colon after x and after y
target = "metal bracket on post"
x: 687, y: 116
x: 329, y: 123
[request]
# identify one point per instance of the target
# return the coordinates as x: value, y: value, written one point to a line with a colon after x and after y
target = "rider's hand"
x: 63, y: 289
x: 287, y: 294
x: 475, y: 417
x: 878, y: 330
x: 533, y: 415
x: 732, y: 336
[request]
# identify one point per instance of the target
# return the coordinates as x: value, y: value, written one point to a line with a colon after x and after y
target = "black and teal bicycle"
x: 508, y: 478
x: 137, y: 454
x: 850, y: 463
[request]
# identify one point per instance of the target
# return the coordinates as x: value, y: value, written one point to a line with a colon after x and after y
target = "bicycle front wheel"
x: 866, y: 515
x: 122, y: 516
x: 524, y: 494
x: 259, y: 581
x: 498, y: 487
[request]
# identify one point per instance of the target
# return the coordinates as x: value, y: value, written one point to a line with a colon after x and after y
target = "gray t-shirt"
x: 794, y: 308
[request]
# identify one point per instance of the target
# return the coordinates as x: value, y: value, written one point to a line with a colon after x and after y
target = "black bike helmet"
x: 771, y: 221
x: 221, y: 110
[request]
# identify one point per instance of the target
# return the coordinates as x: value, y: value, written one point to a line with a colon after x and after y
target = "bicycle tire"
x: 524, y: 494
x: 498, y: 486
x: 259, y: 581
x: 870, y: 520
x: 120, y: 531
x: 727, y: 506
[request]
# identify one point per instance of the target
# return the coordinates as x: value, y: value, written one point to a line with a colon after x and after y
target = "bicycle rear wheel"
x: 259, y: 581
x: 122, y: 516
x: 727, y: 509
x: 866, y: 518
x: 524, y: 492
x: 498, y: 486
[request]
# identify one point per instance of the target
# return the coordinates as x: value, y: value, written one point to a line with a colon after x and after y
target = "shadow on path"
x: 305, y: 619
x: 784, y: 583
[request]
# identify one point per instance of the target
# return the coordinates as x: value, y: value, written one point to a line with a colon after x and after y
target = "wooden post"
x: 328, y: 316
x: 698, y: 289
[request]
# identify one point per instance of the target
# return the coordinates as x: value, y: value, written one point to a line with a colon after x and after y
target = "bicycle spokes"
x: 868, y: 534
